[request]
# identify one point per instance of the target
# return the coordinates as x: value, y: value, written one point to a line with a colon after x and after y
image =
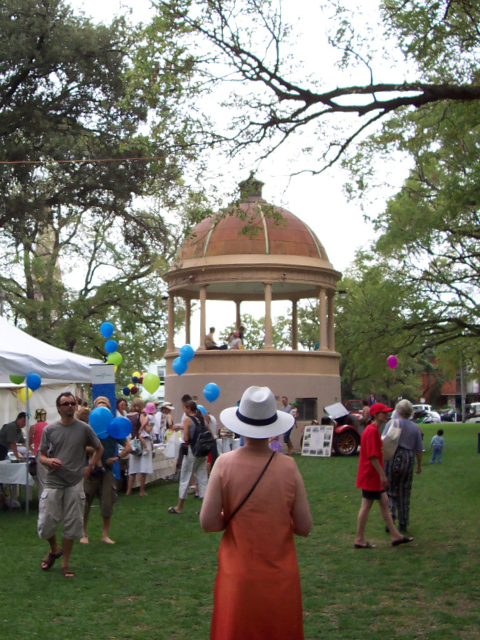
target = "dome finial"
x: 250, y: 189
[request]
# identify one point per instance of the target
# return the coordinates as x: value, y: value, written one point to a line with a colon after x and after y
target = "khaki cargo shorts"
x: 57, y: 505
x: 103, y: 486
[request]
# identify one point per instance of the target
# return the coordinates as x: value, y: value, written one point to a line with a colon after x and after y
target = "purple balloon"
x: 392, y: 362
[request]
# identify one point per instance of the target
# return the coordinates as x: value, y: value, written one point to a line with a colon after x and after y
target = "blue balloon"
x: 126, y: 391
x: 107, y: 329
x: 99, y: 419
x: 134, y: 379
x: 211, y: 391
x: 186, y: 352
x: 111, y: 346
x: 34, y: 381
x: 120, y: 428
x: 202, y: 410
x: 179, y: 366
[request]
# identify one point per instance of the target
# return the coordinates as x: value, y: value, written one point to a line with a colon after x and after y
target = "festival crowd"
x: 245, y: 485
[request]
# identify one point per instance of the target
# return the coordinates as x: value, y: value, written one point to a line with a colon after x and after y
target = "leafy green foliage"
x: 75, y: 156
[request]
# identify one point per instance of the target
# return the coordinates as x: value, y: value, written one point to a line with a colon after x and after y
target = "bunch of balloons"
x: 150, y: 381
x: 34, y: 382
x: 111, y: 346
x: 180, y: 364
x: 104, y: 424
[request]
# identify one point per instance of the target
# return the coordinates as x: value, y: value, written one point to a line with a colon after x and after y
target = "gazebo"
x: 255, y: 251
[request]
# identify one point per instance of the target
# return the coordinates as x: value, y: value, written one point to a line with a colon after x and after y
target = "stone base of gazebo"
x: 295, y: 374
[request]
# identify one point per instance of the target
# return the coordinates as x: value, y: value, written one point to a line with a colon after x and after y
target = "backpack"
x: 202, y: 441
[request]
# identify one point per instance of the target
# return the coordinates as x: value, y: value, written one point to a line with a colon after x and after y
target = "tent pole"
x: 27, y: 425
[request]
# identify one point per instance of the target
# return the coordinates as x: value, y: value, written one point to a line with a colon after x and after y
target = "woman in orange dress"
x: 257, y: 589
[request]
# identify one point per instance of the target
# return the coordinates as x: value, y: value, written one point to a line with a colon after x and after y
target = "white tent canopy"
x: 21, y: 354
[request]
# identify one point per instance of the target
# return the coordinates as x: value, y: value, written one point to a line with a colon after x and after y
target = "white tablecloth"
x: 162, y: 467
x: 14, y: 473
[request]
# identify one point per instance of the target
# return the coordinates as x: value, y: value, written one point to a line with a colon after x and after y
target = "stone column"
x: 294, y: 326
x: 203, y: 321
x: 331, y: 323
x: 238, y: 321
x: 188, y: 313
x: 171, y: 322
x: 268, y: 316
x: 322, y: 316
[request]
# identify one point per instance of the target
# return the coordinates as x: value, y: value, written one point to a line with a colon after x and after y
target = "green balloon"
x: 114, y: 358
x: 17, y: 379
x: 151, y: 382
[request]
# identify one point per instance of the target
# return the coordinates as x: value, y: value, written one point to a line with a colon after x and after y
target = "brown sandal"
x: 49, y: 560
x: 67, y: 572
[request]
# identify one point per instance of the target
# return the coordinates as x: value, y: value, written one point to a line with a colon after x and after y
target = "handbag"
x: 390, y: 440
x: 137, y: 449
x: 173, y: 446
x: 250, y: 492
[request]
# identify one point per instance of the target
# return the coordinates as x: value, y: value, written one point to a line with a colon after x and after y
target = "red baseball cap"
x: 379, y: 407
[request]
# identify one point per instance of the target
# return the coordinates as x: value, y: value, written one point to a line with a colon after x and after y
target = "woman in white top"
x: 141, y: 464
x: 191, y: 464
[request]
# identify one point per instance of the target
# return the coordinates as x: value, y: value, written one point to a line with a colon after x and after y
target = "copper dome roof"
x: 226, y: 234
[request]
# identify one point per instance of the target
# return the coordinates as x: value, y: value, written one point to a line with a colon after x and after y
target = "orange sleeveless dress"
x: 257, y: 592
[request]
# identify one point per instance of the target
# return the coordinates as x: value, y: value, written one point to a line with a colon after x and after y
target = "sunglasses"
x: 68, y: 404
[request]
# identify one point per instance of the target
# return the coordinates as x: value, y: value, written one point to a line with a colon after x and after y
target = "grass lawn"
x: 156, y: 583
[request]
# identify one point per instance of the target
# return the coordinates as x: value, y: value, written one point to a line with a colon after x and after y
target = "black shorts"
x: 286, y: 435
x: 372, y: 495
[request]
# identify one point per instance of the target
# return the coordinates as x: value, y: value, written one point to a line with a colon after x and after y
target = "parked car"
x: 346, y: 437
x: 473, y: 414
x: 422, y: 407
x: 355, y: 408
x: 450, y: 415
x: 426, y: 417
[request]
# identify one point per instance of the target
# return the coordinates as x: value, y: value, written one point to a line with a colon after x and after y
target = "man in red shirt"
x: 371, y: 478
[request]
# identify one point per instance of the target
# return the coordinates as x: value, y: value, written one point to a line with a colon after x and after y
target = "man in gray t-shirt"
x: 63, y: 451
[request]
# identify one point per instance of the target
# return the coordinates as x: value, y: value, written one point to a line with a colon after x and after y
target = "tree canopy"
x: 275, y: 98
x: 75, y: 156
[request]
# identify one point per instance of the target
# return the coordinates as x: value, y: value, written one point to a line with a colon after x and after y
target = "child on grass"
x: 437, y: 445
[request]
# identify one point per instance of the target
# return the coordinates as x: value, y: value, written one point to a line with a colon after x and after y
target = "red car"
x: 347, y: 431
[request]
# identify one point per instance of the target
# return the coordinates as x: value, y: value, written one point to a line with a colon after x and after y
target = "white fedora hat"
x: 257, y: 416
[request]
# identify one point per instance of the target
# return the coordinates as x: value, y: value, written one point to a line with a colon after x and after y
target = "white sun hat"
x: 257, y: 416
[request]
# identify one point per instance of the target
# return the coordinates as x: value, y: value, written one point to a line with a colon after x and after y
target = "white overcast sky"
x: 318, y: 200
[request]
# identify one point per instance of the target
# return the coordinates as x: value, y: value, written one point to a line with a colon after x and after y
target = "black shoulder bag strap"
x: 251, y: 490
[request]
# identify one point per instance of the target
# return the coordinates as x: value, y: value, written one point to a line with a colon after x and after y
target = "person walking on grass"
x: 194, y: 424
x: 399, y: 469
x: 371, y: 479
x: 438, y: 446
x: 101, y: 482
x: 63, y: 451
x: 287, y: 408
